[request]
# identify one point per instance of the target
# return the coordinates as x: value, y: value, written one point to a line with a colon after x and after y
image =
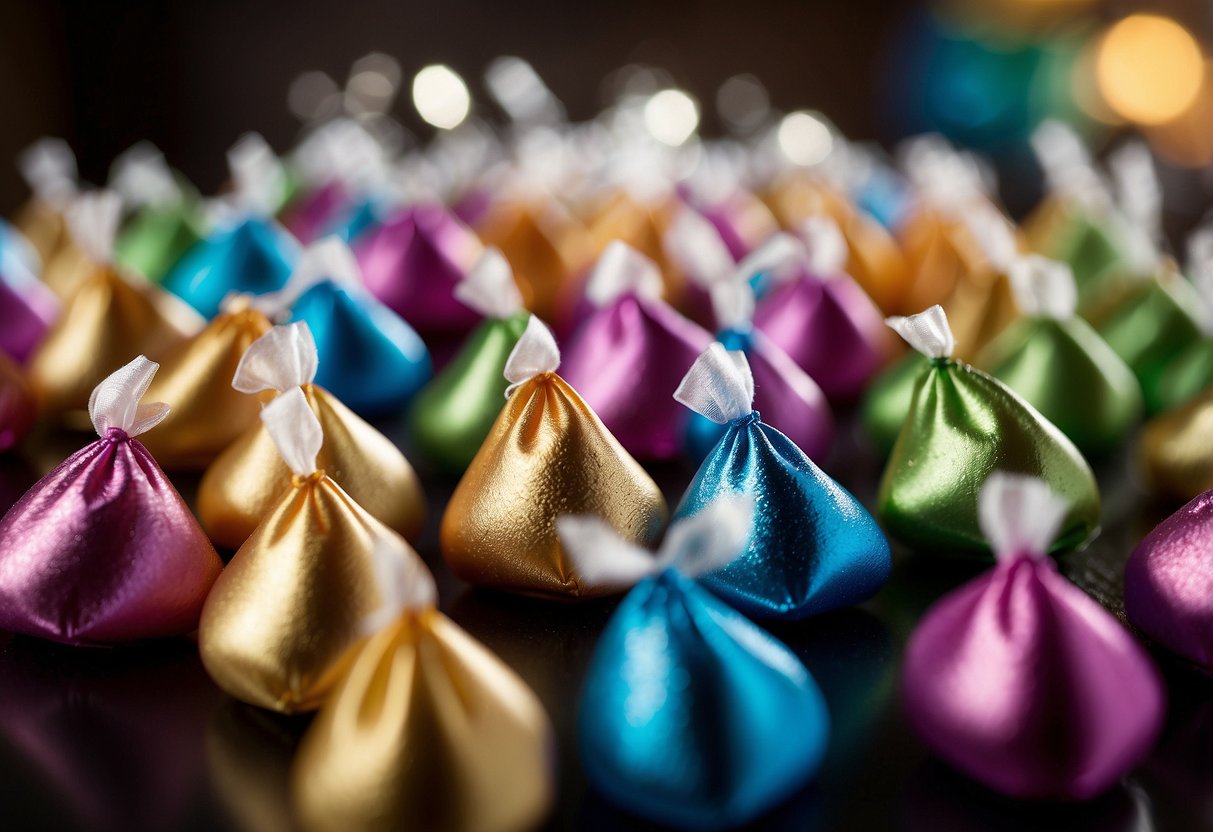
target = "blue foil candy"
x: 255, y: 256
x: 370, y: 358
x: 814, y: 548
x: 791, y: 400
x: 692, y: 715
x: 359, y: 218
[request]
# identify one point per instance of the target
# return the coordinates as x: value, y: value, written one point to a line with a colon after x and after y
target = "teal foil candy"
x: 691, y: 715
x: 790, y: 398
x: 370, y: 358
x: 814, y: 548
x: 254, y: 256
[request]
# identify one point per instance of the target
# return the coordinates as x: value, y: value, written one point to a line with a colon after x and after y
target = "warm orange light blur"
x: 1149, y: 69
x: 1188, y: 139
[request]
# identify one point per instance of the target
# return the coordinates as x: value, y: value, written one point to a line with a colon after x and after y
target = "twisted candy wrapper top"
x: 1018, y: 678
x: 103, y: 549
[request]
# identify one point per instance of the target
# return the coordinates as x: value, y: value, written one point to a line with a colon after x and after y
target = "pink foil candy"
x: 414, y: 261
x: 818, y: 314
x: 1169, y: 582
x: 17, y: 408
x: 1018, y: 678
x: 628, y: 357
x: 103, y: 549
x: 27, y: 310
x: 316, y: 211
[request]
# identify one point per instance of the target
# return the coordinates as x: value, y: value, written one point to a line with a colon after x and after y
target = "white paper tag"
x: 719, y: 385
x: 117, y: 401
x: 93, y: 220
x: 536, y: 352
x: 489, y: 287
x: 143, y: 177
x: 928, y: 332
x: 622, y: 269
x: 282, y: 358
x: 1044, y: 287
x: 295, y: 430
x: 694, y: 546
x: 1019, y: 515
x: 696, y: 247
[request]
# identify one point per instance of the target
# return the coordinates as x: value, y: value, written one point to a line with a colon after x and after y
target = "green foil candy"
x: 888, y: 400
x: 1149, y: 324
x: 1060, y: 365
x: 453, y: 414
x: 962, y: 425
x: 1187, y: 376
x: 156, y: 237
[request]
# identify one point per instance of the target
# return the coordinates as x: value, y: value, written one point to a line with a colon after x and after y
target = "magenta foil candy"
x: 829, y: 327
x: 413, y: 262
x: 17, y: 408
x: 1169, y: 582
x: 27, y: 310
x: 103, y: 549
x: 626, y: 361
x: 315, y: 212
x: 1026, y: 684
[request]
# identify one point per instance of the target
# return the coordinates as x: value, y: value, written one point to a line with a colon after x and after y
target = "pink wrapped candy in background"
x: 627, y: 358
x: 413, y: 261
x: 1021, y: 680
x: 27, y: 306
x: 1169, y: 582
x: 17, y: 408
x: 103, y: 549
x: 818, y: 314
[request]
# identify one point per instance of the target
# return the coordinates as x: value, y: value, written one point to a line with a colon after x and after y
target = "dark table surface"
x: 139, y: 738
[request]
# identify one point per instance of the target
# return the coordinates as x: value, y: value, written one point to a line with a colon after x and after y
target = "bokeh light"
x: 804, y: 138
x: 1149, y: 69
x: 671, y: 116
x: 441, y: 97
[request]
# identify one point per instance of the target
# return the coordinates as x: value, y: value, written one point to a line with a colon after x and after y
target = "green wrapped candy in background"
x: 1149, y: 324
x: 1191, y: 371
x: 1187, y: 376
x: 1078, y: 223
x: 164, y: 220
x: 156, y: 237
x: 962, y: 425
x: 453, y: 414
x: 888, y: 400
x: 1060, y: 365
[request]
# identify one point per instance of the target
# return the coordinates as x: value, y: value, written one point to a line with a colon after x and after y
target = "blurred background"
x: 192, y: 77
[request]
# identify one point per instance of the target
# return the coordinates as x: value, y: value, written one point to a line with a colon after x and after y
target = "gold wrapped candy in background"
x: 874, y: 257
x: 195, y: 380
x: 544, y: 244
x: 106, y: 321
x: 426, y: 730
x: 243, y: 484
x: 1176, y: 450
x: 643, y: 227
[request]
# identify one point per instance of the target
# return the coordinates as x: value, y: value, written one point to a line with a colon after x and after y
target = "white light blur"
x: 671, y: 116
x: 441, y: 97
x: 804, y: 138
